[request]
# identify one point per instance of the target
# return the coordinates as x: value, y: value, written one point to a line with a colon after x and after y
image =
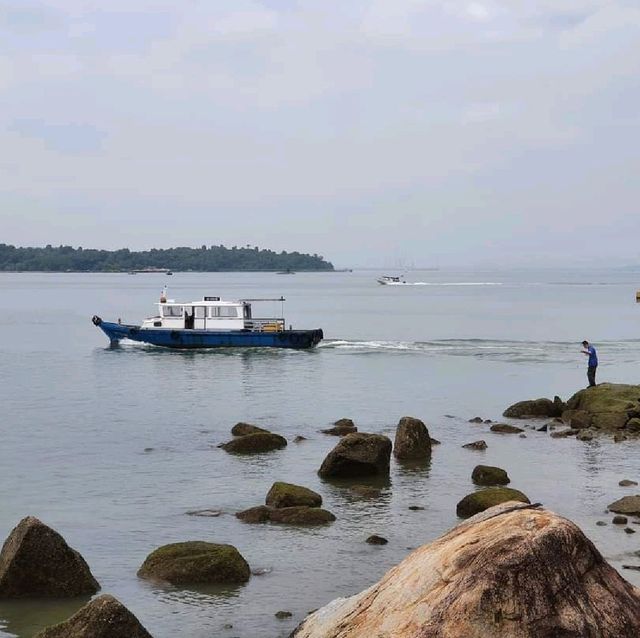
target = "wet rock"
x: 358, y: 454
x: 299, y: 438
x: 242, y: 429
x: 281, y: 615
x: 434, y: 441
x: 366, y: 491
x: 487, y: 421
x: 288, y: 495
x: 609, y: 421
x: 505, y: 428
x: 610, y: 405
x: 476, y: 445
x: 628, y: 530
x: 483, y: 499
x: 543, y: 428
x: 535, y: 408
x: 342, y: 427
x: 601, y: 524
x: 412, y: 440
x: 507, y: 573
x: 36, y: 562
x: 585, y: 435
x: 286, y: 515
x: 476, y: 419
x: 626, y: 505
x: 633, y: 425
x: 563, y: 434
x: 256, y: 442
x: 103, y: 617
x: 416, y: 508
x: 522, y: 436
x: 489, y: 475
x: 627, y: 483
x: 374, y: 539
x: 577, y: 419
x: 618, y: 519
x: 195, y: 562
x: 619, y: 437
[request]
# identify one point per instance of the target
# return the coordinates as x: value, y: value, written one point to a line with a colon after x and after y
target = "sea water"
x: 112, y: 446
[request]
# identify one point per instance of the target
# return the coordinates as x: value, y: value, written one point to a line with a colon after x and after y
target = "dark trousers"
x: 591, y: 374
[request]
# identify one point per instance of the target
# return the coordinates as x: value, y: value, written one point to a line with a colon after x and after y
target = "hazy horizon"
x: 375, y: 133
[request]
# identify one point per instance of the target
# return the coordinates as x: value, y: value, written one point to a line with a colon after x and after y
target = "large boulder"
x: 412, y: 440
x: 103, y: 617
x: 195, y: 562
x: 36, y: 562
x: 535, y: 408
x: 610, y: 406
x: 255, y: 442
x: 511, y: 572
x: 358, y: 454
x: 242, y: 429
x: 626, y: 505
x: 489, y: 475
x: 481, y: 500
x: 299, y: 515
x: 289, y: 495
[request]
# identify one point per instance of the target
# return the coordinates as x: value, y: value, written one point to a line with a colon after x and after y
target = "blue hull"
x: 185, y: 339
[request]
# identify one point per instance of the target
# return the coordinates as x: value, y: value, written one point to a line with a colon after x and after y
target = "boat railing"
x: 272, y: 324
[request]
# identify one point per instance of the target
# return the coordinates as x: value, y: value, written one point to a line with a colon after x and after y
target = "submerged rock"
x: 476, y: 419
x: 563, y: 434
x: 281, y: 615
x: 36, y: 562
x: 484, y: 499
x: 627, y: 483
x: 366, y: 491
x: 535, y: 408
x: 358, y: 454
x: 374, y: 539
x: 489, y: 475
x: 626, y: 505
x: 256, y: 442
x: 511, y: 572
x: 412, y: 439
x: 242, y: 429
x: 103, y: 617
x: 195, y: 562
x: 286, y: 515
x: 505, y: 428
x: 342, y: 427
x: 287, y: 495
x: 476, y: 445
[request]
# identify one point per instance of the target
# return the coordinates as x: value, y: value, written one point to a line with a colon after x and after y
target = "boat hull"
x: 190, y: 339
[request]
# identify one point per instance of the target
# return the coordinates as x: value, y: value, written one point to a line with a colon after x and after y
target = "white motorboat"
x: 389, y: 280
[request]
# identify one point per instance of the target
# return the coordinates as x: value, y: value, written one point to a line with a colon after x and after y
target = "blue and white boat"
x: 210, y: 323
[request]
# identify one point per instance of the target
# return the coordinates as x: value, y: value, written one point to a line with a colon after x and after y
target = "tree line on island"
x: 204, y: 259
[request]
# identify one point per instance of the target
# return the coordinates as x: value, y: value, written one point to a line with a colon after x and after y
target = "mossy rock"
x: 627, y: 505
x: 412, y: 439
x: 255, y: 443
x: 481, y: 500
x: 606, y: 397
x: 259, y: 514
x: 505, y: 428
x: 290, y: 495
x: 242, y: 429
x: 535, y: 408
x: 286, y: 515
x: 194, y: 563
x: 103, y: 617
x: 489, y: 475
x: 358, y: 454
x: 342, y: 427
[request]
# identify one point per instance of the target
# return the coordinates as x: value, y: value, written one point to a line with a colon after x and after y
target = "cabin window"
x: 172, y: 311
x: 228, y: 311
x: 200, y: 312
x: 213, y: 312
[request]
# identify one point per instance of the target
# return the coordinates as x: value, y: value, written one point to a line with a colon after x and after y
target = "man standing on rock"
x: 590, y: 351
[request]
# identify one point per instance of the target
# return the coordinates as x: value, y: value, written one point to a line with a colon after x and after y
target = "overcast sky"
x: 433, y: 132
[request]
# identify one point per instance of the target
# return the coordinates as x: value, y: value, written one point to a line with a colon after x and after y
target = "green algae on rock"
x: 255, y: 443
x: 358, y: 454
x: 489, y: 475
x: 481, y: 500
x: 299, y: 515
x: 242, y: 429
x: 288, y: 495
x: 412, y: 439
x: 195, y: 562
x: 535, y: 408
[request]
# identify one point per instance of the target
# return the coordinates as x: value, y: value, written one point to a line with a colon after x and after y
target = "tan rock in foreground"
x: 514, y: 571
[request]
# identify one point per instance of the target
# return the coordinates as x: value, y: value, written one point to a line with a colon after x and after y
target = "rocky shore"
x: 512, y: 569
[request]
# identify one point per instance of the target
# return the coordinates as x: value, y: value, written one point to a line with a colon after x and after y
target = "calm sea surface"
x: 111, y: 447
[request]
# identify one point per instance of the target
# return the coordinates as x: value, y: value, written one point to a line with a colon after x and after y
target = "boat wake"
x: 446, y: 283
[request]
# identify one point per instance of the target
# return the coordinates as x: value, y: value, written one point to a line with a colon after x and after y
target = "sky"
x: 373, y: 132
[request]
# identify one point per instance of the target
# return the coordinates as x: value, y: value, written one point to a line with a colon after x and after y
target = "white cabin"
x: 211, y: 313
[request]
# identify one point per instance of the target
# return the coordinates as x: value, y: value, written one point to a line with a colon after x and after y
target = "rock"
x: 342, y: 427
x: 412, y: 440
x: 601, y: 524
x: 511, y: 572
x: 505, y: 428
x: 256, y: 442
x: 577, y: 419
x: 416, y: 508
x: 534, y: 408
x: 36, y: 562
x: 543, y: 428
x: 633, y: 425
x: 628, y: 530
x: 627, y: 483
x: 103, y: 617
x: 489, y: 475
x: 281, y: 615
x: 618, y: 519
x: 242, y: 429
x: 434, y: 441
x: 609, y: 421
x: 358, y: 454
x: 376, y: 540
x: 287, y: 495
x: 626, y: 505
x: 619, y: 437
x: 299, y: 438
x: 610, y: 405
x: 479, y: 501
x: 487, y: 421
x: 206, y: 512
x: 585, y: 435
x: 476, y: 419
x: 366, y: 491
x: 286, y: 515
x: 476, y: 445
x: 563, y: 434
x: 195, y: 562
x: 522, y: 436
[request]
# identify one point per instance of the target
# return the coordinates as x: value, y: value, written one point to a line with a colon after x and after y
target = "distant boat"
x: 288, y: 271
x: 169, y: 272
x: 389, y: 280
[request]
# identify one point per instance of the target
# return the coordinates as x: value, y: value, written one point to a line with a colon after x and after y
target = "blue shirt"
x: 593, y: 357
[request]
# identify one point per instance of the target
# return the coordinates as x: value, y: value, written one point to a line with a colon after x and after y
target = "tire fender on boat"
x: 95, y: 320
